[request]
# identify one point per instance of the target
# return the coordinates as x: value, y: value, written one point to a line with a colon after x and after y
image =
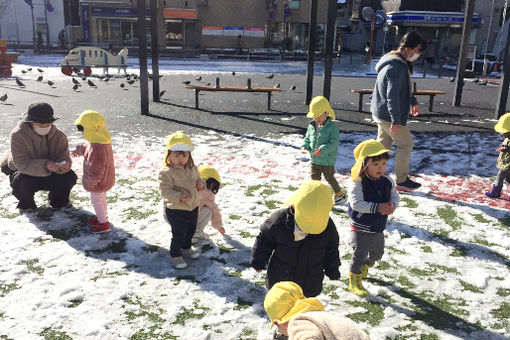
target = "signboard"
x: 212, y: 30
x: 85, y: 22
x: 254, y: 32
x: 116, y: 12
x: 410, y: 18
x: 179, y: 13
x: 231, y: 31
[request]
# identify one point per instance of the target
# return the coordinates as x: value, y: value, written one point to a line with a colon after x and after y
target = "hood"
x: 94, y: 129
x: 390, y: 58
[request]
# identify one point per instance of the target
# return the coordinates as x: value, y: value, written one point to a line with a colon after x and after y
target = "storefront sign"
x: 116, y: 12
x: 254, y: 32
x: 85, y: 21
x: 229, y: 31
x: 179, y: 13
x: 212, y: 30
x: 409, y: 18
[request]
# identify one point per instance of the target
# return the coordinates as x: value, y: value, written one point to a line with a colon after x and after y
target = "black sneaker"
x: 408, y: 185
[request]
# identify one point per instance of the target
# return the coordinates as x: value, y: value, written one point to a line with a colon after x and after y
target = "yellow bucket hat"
x: 503, y: 125
x: 312, y: 203
x: 207, y: 171
x: 94, y: 127
x: 177, y: 141
x: 367, y: 148
x: 318, y: 106
x: 285, y: 299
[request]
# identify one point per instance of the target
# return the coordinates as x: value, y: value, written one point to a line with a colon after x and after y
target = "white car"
x: 86, y: 57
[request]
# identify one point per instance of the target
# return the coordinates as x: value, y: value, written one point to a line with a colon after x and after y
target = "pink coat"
x: 207, y: 198
x: 98, y: 167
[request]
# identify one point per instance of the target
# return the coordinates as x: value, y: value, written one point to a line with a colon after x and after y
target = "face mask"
x: 298, y: 233
x: 42, y: 131
x: 414, y: 57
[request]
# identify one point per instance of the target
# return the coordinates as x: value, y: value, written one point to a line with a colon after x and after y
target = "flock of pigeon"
x: 271, y: 76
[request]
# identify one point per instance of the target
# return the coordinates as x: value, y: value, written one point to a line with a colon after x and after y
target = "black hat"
x: 39, y: 113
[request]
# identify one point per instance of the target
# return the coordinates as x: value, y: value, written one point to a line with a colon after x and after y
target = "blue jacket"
x: 326, y: 141
x: 364, y: 197
x: 392, y: 97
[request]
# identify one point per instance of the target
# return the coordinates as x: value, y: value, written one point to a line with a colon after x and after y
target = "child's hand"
x: 199, y: 184
x: 185, y: 197
x: 79, y: 151
x: 391, y: 208
x: 221, y: 230
x: 385, y: 208
x: 317, y: 152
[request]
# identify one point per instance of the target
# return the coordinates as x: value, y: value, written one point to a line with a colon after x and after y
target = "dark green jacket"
x: 326, y: 141
x: 504, y: 156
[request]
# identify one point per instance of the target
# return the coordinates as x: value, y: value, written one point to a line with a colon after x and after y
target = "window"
x: 174, y: 33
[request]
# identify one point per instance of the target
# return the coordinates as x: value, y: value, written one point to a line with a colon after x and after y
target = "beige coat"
x: 323, y: 326
x: 29, y: 152
x: 207, y: 199
x: 173, y: 181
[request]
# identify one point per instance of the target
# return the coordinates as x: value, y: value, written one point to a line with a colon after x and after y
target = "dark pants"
x: 329, y: 174
x: 183, y: 224
x: 367, y: 248
x: 500, y: 178
x: 59, y: 186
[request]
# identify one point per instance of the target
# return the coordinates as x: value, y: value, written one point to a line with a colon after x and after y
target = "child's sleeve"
x: 394, y: 196
x: 216, y: 221
x: 264, y: 246
x: 332, y: 256
x: 306, y: 141
x: 356, y: 199
x: 166, y: 187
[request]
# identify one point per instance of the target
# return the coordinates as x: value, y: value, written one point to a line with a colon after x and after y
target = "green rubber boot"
x: 356, y: 286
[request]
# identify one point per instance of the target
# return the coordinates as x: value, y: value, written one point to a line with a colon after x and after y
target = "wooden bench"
x: 199, y: 88
x: 430, y: 93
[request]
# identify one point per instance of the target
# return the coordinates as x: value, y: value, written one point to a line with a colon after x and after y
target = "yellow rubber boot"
x: 356, y: 286
x: 364, y: 270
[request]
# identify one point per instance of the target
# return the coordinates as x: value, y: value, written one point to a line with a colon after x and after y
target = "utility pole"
x: 155, y: 50
x: 142, y: 54
x: 33, y: 27
x: 461, y: 62
x: 312, y: 36
x: 47, y: 24
x: 329, y: 41
x: 504, y: 82
x: 485, y: 61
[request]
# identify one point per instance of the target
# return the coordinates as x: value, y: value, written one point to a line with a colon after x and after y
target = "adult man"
x: 391, y: 102
x: 38, y: 159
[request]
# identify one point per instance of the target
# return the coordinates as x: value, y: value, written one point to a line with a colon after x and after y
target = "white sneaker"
x: 190, y: 253
x: 178, y: 262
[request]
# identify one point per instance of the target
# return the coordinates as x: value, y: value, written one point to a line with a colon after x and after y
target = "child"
x: 98, y: 166
x: 321, y: 141
x: 300, y: 241
x: 372, y: 197
x: 207, y: 209
x: 503, y: 164
x: 299, y: 317
x: 179, y: 183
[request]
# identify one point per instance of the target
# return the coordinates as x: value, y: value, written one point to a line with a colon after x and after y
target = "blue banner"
x: 85, y: 21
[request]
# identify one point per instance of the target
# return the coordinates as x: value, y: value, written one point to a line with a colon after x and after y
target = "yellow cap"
x: 367, y: 148
x: 312, y: 203
x: 285, y: 299
x: 318, y: 106
x: 207, y: 171
x: 503, y: 125
x: 177, y: 141
x: 94, y: 127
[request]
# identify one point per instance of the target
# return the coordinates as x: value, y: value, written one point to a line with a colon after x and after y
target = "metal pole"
x: 155, y: 50
x: 311, y: 50
x: 502, y: 29
x: 142, y: 52
x: 329, y: 41
x: 33, y: 28
x: 47, y: 24
x: 485, y: 61
x: 461, y: 63
x: 504, y: 81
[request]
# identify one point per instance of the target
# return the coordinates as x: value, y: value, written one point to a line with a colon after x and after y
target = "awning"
x: 430, y: 19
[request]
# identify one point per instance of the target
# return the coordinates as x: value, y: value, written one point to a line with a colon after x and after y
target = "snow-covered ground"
x: 444, y: 275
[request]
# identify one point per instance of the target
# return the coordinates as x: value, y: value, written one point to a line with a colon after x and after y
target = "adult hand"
x: 65, y: 167
x: 394, y: 128
x: 185, y: 197
x: 221, y: 230
x: 52, y: 166
x: 317, y: 152
x: 415, y: 110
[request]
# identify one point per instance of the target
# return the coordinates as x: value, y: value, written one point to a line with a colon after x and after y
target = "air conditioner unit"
x: 202, y: 3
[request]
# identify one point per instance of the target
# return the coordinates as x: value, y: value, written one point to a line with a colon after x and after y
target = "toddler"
x: 503, y: 164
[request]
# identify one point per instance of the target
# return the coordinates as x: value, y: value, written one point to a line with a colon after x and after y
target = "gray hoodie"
x: 392, y: 98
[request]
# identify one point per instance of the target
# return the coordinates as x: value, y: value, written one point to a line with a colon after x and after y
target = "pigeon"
x: 29, y: 69
x: 277, y: 86
x: 83, y: 78
x: 40, y: 70
x: 122, y: 85
x: 187, y: 82
x: 130, y: 82
x: 20, y: 84
x: 23, y: 71
x: 149, y: 76
x: 483, y: 82
x: 40, y: 78
x: 199, y: 78
x: 128, y: 77
x: 135, y: 76
x: 452, y: 79
x: 76, y: 81
x: 91, y: 83
x: 107, y: 79
x: 208, y: 84
x: 476, y: 80
x: 293, y: 87
x: 75, y: 87
x: 161, y: 93
x: 3, y: 98
x: 50, y: 83
x: 233, y: 73
x: 270, y: 76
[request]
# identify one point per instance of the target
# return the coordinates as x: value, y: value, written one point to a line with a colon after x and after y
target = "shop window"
x: 174, y: 33
x: 294, y: 4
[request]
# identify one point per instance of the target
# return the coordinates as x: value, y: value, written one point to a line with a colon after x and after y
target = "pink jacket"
x: 98, y: 167
x: 207, y: 198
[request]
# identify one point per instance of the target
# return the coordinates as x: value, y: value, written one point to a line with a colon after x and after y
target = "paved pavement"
x: 240, y: 113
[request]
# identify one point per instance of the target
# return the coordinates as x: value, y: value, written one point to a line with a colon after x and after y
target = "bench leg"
x: 431, y: 102
x: 269, y: 100
x: 196, y: 98
x: 360, y: 103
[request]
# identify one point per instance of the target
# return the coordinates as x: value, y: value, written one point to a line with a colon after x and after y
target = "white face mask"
x: 414, y: 57
x: 42, y: 131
